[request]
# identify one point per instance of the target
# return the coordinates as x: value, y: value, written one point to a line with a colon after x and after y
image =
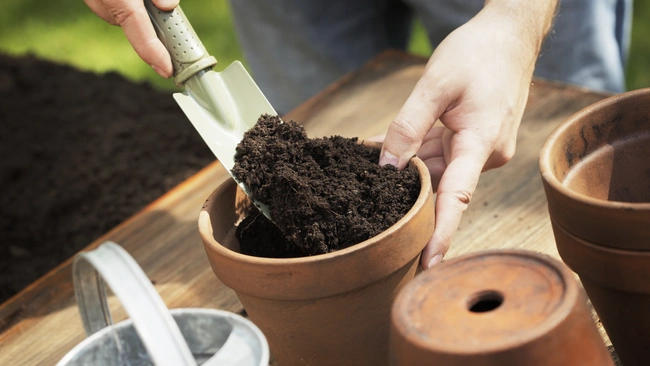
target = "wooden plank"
x: 40, y: 324
x: 362, y: 104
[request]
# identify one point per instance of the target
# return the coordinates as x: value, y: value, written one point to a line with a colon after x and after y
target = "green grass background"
x: 66, y: 31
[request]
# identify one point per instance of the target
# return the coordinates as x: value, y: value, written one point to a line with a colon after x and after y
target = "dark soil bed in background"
x: 80, y: 153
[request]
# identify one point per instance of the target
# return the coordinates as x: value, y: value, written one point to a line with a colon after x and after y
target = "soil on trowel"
x: 324, y: 194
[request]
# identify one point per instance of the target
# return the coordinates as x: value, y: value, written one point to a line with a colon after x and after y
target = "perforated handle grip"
x: 188, y: 54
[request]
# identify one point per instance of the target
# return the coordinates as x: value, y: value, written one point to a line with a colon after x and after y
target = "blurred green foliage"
x: 66, y: 31
x: 638, y: 66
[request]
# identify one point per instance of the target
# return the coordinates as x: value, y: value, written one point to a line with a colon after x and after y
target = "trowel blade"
x: 222, y: 106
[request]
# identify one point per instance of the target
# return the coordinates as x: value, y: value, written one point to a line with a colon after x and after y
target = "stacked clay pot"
x: 596, y: 173
x: 507, y: 307
x: 329, y: 309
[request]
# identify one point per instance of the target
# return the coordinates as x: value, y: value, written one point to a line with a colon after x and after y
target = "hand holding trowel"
x: 220, y: 105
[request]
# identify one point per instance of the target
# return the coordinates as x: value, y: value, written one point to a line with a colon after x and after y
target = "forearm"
x: 528, y: 20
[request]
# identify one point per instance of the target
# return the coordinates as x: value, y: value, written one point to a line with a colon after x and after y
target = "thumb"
x: 407, y: 131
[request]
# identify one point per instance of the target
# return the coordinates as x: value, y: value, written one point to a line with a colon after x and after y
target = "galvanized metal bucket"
x: 153, y: 335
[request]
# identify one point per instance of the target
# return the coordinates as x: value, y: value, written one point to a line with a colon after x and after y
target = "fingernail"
x: 435, y: 260
x: 388, y: 158
x: 160, y: 71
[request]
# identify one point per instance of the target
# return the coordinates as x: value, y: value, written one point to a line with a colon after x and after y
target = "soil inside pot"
x: 324, y: 194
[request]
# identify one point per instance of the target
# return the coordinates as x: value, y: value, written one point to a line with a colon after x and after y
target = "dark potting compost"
x: 324, y: 194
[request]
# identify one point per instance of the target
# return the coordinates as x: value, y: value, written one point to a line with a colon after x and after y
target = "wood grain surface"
x: 41, y: 324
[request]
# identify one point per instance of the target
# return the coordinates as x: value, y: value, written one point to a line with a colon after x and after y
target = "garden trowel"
x: 221, y: 105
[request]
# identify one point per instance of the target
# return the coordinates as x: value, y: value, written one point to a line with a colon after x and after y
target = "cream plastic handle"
x: 151, y: 318
x: 188, y: 54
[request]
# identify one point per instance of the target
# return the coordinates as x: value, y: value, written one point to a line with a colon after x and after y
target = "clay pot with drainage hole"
x: 508, y: 307
x: 328, y: 309
x: 596, y: 173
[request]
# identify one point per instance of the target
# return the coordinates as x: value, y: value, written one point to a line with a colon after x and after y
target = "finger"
x: 436, y: 167
x: 430, y: 149
x: 165, y: 5
x: 412, y: 124
x: 140, y: 32
x: 435, y: 133
x: 454, y: 193
x: 431, y: 143
x: 101, y: 10
x: 502, y: 154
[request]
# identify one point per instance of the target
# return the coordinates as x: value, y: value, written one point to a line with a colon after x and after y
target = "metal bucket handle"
x: 157, y: 329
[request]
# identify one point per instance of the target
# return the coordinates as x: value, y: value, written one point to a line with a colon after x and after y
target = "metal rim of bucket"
x: 152, y: 321
x: 247, y: 324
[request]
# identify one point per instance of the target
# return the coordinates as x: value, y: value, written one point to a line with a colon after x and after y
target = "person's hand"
x: 476, y: 82
x: 132, y: 16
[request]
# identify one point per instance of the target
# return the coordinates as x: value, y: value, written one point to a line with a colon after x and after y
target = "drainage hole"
x: 485, y: 301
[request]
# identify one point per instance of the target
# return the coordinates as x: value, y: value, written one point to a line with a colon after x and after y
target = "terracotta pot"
x: 508, y: 307
x: 330, y: 309
x: 617, y: 283
x: 596, y: 172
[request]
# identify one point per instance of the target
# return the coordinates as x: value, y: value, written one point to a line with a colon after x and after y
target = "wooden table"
x: 41, y: 324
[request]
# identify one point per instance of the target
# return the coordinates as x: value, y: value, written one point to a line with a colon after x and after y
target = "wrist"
x: 527, y: 22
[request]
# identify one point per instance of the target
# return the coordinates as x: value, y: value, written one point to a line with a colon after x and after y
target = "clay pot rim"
x: 545, y: 156
x: 205, y: 226
x: 563, y: 311
x: 611, y: 251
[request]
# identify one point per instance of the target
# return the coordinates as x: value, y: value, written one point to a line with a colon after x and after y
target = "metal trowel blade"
x: 222, y: 106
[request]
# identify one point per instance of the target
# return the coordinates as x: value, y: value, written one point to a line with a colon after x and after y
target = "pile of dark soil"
x: 323, y: 194
x: 80, y: 153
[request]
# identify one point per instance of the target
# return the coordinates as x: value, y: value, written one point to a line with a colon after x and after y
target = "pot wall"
x: 347, y: 329
x: 618, y: 285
